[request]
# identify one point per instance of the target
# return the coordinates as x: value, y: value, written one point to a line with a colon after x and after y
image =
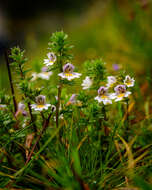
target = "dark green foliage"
x: 96, y: 70
x: 60, y: 45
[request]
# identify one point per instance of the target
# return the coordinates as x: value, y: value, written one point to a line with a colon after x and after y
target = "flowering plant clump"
x: 70, y: 130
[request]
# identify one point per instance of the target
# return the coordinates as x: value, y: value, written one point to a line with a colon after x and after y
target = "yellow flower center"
x: 40, y: 106
x: 120, y: 95
x: 68, y: 74
x: 128, y: 82
x: 103, y: 97
x: 46, y: 73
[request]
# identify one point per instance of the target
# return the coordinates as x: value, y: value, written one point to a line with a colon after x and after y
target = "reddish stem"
x: 45, y: 125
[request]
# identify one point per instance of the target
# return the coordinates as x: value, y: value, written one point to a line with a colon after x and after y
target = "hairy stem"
x: 32, y: 119
x: 29, y: 105
x: 59, y: 93
x: 10, y: 80
x: 127, y: 118
x: 58, y: 105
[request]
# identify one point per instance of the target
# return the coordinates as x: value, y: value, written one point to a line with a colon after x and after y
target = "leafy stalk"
x: 10, y: 80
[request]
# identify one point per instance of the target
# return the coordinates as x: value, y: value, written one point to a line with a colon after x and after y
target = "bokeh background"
x: 119, y: 31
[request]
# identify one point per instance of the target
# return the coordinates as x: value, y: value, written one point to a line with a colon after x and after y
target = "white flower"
x: 2, y: 106
x: 24, y: 123
x: 69, y: 76
x: 68, y: 72
x: 60, y: 117
x: 40, y: 104
x: 51, y: 59
x: 44, y: 74
x: 111, y: 81
x: 129, y: 81
x: 21, y: 106
x: 120, y: 93
x: 34, y: 76
x: 40, y: 107
x: 103, y: 96
x: 87, y: 82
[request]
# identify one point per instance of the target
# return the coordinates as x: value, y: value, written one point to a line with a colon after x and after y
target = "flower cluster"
x: 120, y: 90
x: 115, y: 89
x: 45, y: 74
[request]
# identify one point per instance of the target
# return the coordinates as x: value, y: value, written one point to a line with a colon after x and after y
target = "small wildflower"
x: 40, y: 103
x: 120, y: 93
x: 111, y: 80
x: 60, y: 117
x: 25, y: 123
x: 34, y: 76
x: 44, y: 74
x: 73, y: 100
x: 2, y: 106
x: 51, y: 59
x: 68, y: 72
x: 116, y: 67
x: 103, y: 96
x: 21, y: 109
x: 129, y: 82
x: 87, y: 82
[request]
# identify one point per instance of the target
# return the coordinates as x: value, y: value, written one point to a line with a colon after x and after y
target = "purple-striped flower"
x: 50, y: 60
x: 45, y: 74
x: 103, y: 96
x: 129, y: 82
x: 111, y: 81
x: 21, y: 109
x: 68, y: 72
x: 120, y: 93
x: 40, y: 103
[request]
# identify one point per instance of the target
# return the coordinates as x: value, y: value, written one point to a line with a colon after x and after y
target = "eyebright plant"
x: 65, y: 133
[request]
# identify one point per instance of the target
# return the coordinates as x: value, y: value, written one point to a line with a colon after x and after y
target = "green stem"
x: 58, y: 105
x: 59, y: 93
x: 29, y: 105
x: 127, y: 118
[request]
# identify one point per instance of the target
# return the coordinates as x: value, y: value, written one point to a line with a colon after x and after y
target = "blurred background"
x: 119, y: 31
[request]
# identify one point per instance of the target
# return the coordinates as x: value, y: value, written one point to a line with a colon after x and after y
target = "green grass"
x: 87, y: 151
